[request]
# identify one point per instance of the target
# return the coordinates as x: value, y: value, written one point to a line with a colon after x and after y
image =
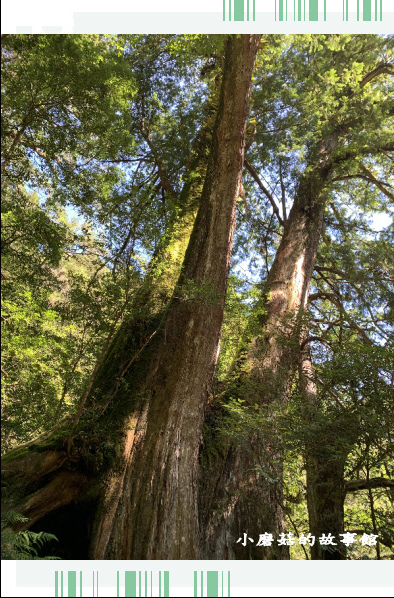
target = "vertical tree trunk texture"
x: 242, y: 502
x: 146, y: 506
x: 110, y: 384
x: 149, y: 305
x: 235, y: 500
x: 157, y: 514
x: 324, y: 462
x: 151, y: 299
x: 248, y: 494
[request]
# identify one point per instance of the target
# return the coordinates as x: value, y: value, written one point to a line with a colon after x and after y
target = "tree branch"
x: 365, y: 151
x: 335, y: 300
x: 383, y: 69
x: 369, y: 177
x: 379, y: 184
x: 256, y: 177
x: 282, y: 186
x: 165, y: 181
x: 356, y: 485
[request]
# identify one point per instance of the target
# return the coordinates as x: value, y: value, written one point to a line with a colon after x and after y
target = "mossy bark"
x: 325, y: 498
x: 29, y: 468
x: 136, y: 449
x: 249, y: 487
x: 157, y: 514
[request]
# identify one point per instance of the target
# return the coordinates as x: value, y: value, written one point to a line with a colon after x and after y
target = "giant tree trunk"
x: 162, y: 476
x: 146, y: 314
x: 324, y: 462
x: 248, y: 494
x: 147, y: 310
x: 147, y: 503
x: 247, y: 480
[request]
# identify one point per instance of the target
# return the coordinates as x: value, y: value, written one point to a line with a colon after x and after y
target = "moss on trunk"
x: 136, y: 446
x: 249, y: 481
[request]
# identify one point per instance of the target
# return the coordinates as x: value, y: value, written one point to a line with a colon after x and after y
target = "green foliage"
x: 24, y: 544
x: 93, y: 130
x: 64, y: 101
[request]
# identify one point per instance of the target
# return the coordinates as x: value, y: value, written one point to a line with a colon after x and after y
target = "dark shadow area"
x: 72, y: 526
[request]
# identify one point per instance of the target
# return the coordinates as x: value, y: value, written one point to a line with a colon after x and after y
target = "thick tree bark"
x: 149, y: 305
x: 30, y: 468
x: 249, y: 495
x: 152, y: 298
x: 237, y: 499
x: 148, y: 504
x: 161, y: 520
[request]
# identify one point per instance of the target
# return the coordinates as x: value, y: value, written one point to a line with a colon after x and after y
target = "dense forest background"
x: 197, y: 295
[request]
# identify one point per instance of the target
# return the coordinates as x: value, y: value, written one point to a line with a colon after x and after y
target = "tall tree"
x: 160, y: 430
x: 129, y: 300
x: 266, y: 369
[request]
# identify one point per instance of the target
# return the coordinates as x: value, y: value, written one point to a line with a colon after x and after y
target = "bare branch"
x: 382, y: 69
x: 335, y: 300
x: 355, y: 485
x: 165, y: 181
x: 256, y: 177
x: 282, y: 186
x: 379, y: 184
